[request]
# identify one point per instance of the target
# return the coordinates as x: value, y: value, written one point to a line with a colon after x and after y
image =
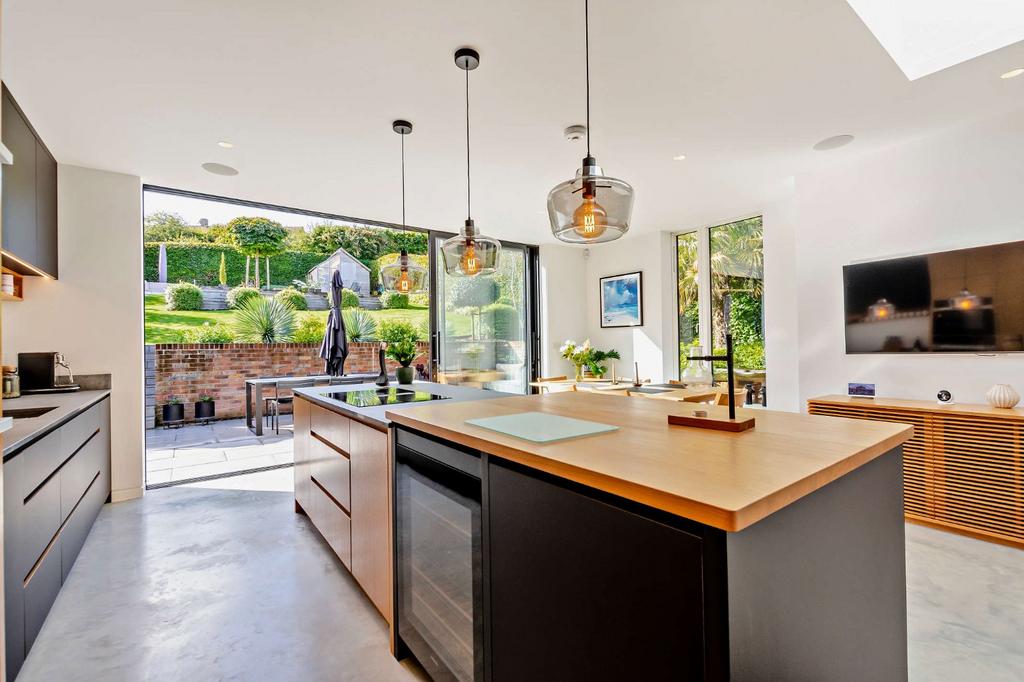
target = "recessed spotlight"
x: 834, y: 142
x: 680, y: 157
x: 225, y: 144
x: 219, y: 169
x: 1012, y: 74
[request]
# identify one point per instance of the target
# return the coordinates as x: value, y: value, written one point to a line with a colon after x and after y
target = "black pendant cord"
x: 403, y: 179
x: 586, y: 42
x: 469, y: 187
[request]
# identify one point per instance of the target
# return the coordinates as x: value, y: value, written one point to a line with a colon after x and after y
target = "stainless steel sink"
x: 27, y: 412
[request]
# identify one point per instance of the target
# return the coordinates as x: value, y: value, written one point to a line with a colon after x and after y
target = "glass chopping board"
x: 540, y: 427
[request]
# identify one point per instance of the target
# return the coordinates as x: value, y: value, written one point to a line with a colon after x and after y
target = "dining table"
x: 677, y: 392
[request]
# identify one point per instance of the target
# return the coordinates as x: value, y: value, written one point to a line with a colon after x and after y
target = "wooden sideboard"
x: 963, y: 470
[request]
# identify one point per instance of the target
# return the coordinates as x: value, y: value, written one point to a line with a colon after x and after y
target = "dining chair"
x: 284, y: 394
x: 548, y: 380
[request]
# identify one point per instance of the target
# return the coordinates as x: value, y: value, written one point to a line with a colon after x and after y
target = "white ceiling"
x: 307, y: 91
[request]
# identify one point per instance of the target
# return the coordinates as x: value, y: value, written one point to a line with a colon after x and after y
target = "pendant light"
x: 403, y: 276
x: 592, y: 207
x: 881, y: 310
x: 469, y: 253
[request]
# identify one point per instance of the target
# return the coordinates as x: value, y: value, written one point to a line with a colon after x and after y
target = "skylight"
x: 925, y: 36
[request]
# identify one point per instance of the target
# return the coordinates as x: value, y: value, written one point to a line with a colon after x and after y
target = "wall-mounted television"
x: 963, y: 301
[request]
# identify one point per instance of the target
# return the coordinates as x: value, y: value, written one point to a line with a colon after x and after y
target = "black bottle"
x: 382, y: 378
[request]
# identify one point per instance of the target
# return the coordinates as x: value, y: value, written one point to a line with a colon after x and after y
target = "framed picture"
x: 860, y: 390
x: 622, y: 300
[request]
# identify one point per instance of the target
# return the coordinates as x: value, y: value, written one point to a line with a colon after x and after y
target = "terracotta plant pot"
x: 173, y: 412
x: 405, y: 375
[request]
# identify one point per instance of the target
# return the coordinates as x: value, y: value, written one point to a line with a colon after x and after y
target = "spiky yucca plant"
x: 264, y: 320
x: 359, y: 325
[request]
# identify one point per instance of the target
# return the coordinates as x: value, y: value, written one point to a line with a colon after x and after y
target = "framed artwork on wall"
x: 622, y: 300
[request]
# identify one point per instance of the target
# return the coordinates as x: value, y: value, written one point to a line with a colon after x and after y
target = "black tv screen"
x: 969, y: 300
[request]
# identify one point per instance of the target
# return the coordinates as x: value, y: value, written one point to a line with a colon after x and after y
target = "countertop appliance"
x: 45, y: 373
x: 439, y: 557
x: 383, y: 396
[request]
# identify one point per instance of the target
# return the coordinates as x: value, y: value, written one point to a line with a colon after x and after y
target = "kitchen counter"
x: 375, y: 416
x: 725, y: 480
x: 26, y: 431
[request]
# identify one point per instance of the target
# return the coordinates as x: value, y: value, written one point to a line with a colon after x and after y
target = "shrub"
x: 201, y: 262
x: 292, y: 298
x: 394, y: 331
x: 472, y: 292
x: 209, y: 333
x: 394, y: 300
x: 403, y: 352
x: 349, y: 299
x: 183, y: 296
x: 310, y: 329
x: 359, y: 325
x: 239, y: 296
x: 420, y: 299
x: 264, y: 320
x: 502, y: 321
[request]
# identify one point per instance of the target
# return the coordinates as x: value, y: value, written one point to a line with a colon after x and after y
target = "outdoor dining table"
x: 255, y: 386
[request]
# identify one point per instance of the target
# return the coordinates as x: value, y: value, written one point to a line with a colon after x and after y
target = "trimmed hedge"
x: 394, y: 300
x: 183, y: 296
x: 293, y: 298
x: 239, y: 296
x: 201, y: 262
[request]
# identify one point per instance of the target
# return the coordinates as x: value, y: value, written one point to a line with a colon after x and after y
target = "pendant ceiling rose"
x: 591, y: 207
x: 469, y: 253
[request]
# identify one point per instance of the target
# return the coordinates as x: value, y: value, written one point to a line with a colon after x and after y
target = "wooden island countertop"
x: 725, y: 480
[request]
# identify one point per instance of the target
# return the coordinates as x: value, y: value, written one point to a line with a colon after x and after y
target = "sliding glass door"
x: 484, y: 330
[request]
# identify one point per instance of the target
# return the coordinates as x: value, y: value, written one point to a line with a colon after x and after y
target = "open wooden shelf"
x: 19, y: 284
x: 963, y: 470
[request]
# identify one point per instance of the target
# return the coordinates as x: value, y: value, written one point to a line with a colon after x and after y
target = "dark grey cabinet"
x: 29, y: 196
x: 53, y: 491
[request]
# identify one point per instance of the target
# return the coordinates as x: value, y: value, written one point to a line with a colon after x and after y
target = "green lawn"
x: 166, y: 326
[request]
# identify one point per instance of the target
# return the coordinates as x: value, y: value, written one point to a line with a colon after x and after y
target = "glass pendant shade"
x: 881, y: 310
x: 469, y: 254
x: 404, y: 275
x: 591, y: 208
x: 965, y: 300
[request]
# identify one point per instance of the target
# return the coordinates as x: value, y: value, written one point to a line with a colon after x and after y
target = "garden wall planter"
x: 173, y: 413
x: 205, y: 409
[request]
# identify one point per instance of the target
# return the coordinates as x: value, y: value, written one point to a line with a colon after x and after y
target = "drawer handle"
x: 329, y: 444
x: 55, y: 471
x: 332, y: 497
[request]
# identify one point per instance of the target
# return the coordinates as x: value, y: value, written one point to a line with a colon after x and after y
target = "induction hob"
x: 383, y: 396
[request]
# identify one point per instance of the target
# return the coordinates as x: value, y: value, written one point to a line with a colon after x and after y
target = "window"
x: 734, y: 254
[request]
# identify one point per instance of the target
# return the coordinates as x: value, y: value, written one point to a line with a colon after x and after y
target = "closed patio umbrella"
x: 334, y: 349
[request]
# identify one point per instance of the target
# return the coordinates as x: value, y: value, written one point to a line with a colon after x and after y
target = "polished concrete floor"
x: 229, y: 584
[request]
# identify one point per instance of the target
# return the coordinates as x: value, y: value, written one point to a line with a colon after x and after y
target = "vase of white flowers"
x: 585, y: 358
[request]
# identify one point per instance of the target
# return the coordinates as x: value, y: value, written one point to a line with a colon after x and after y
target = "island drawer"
x: 332, y: 521
x: 330, y: 468
x: 330, y: 426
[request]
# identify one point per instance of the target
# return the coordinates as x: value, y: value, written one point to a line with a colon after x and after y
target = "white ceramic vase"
x: 1002, y: 395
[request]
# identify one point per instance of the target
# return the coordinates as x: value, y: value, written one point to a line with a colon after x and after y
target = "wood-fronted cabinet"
x: 53, y: 491
x: 29, y: 200
x: 342, y: 485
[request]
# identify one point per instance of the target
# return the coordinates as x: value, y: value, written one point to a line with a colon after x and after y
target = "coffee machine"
x: 45, y: 373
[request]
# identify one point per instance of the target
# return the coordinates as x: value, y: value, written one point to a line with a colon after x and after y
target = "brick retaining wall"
x: 188, y: 370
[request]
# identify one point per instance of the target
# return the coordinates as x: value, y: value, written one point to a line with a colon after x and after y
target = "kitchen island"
x: 650, y: 551
x: 343, y: 471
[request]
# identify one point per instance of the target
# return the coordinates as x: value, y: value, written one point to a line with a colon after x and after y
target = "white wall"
x: 562, y: 304
x: 957, y: 189
x: 93, y: 312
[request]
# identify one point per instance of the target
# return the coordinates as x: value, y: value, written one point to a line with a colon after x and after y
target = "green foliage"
x: 222, y: 272
x: 293, y: 298
x: 310, y: 329
x: 259, y: 237
x: 421, y: 299
x: 472, y: 292
x: 393, y: 331
x: 375, y: 285
x: 239, y: 296
x: 745, y: 322
x: 209, y: 333
x: 744, y: 355
x: 162, y: 226
x: 183, y: 296
x: 421, y: 259
x: 585, y: 356
x: 365, y: 244
x: 359, y: 325
x: 393, y: 299
x: 403, y: 352
x: 201, y: 263
x: 502, y: 321
x: 349, y: 299
x: 264, y: 320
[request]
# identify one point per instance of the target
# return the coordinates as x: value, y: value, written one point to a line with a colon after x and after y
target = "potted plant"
x: 403, y: 352
x: 174, y: 410
x: 583, y: 357
x: 205, y: 407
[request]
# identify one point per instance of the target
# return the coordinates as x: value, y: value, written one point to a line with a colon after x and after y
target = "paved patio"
x: 222, y: 447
